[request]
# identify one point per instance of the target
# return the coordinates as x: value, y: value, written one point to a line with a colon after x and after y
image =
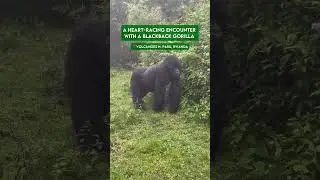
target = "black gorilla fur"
x: 221, y: 85
x: 86, y: 82
x: 155, y: 79
x: 221, y: 95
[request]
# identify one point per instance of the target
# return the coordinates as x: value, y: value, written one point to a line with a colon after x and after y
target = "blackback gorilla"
x: 86, y: 81
x: 221, y: 84
x: 155, y: 79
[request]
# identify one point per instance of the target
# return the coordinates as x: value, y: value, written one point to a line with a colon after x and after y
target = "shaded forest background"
x: 273, y: 59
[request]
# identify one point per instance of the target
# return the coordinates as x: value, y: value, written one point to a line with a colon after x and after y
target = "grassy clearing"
x: 148, y: 145
x: 30, y: 87
x: 31, y: 110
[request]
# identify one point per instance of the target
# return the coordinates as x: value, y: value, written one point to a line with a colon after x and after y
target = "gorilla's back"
x: 149, y: 77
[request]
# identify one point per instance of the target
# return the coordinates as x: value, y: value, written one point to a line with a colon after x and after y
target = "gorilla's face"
x: 173, y: 66
x: 316, y: 26
x: 175, y: 73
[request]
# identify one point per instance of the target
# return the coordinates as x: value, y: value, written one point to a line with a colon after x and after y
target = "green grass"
x: 149, y: 145
x: 35, y: 126
x: 30, y: 87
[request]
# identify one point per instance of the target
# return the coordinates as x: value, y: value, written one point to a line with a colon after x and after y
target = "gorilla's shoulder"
x: 91, y: 31
x: 87, y: 23
x: 139, y: 70
x: 152, y: 69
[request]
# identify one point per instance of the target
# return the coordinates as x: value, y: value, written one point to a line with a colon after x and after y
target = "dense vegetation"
x: 273, y: 58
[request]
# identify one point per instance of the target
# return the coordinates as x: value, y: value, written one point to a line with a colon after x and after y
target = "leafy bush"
x: 274, y: 63
x: 58, y: 12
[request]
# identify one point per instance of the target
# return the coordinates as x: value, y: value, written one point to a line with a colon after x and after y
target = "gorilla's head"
x: 173, y: 66
x: 315, y: 26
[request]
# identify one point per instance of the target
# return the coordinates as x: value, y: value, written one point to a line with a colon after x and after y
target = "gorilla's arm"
x: 86, y: 80
x: 174, y: 96
x: 159, y: 92
x: 221, y: 89
x: 137, y: 87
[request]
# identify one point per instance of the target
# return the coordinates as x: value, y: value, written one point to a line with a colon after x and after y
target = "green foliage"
x: 159, y: 10
x: 274, y: 59
x: 152, y: 57
x: 196, y: 62
x: 292, y: 154
x: 151, y: 15
x: 58, y: 12
x: 120, y: 54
